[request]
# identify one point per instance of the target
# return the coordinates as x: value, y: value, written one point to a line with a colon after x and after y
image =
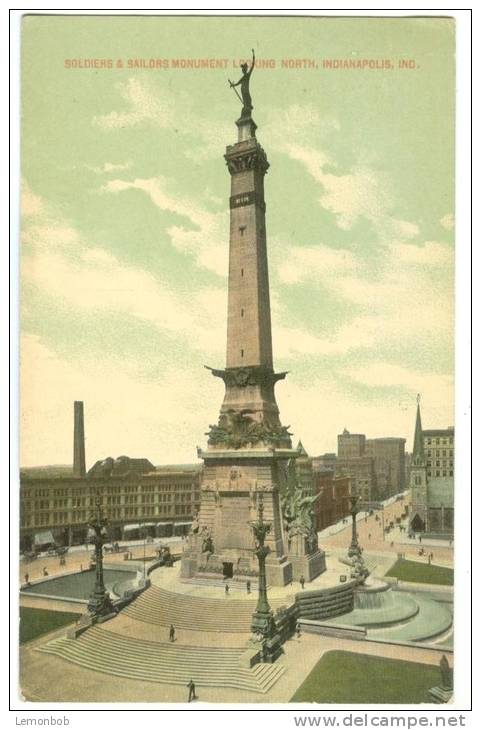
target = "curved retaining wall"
x: 326, y: 602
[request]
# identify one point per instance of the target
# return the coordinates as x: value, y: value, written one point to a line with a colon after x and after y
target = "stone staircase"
x: 225, y: 614
x: 104, y: 651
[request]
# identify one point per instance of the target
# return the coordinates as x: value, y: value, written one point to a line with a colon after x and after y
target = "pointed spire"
x: 301, y: 450
x: 418, y: 446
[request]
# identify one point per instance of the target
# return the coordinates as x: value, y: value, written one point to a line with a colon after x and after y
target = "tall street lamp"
x: 145, y: 538
x: 354, y: 548
x: 99, y: 602
x: 263, y: 624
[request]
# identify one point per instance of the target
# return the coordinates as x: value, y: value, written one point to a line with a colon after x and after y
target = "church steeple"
x: 418, y: 478
x: 418, y: 446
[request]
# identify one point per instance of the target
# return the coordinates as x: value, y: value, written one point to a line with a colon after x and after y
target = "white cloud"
x: 148, y: 105
x: 447, y: 221
x: 143, y: 105
x: 59, y: 263
x: 319, y: 409
x: 109, y: 167
x: 205, y: 238
x: 409, y: 300
x: 382, y: 374
x: 31, y: 204
x: 306, y: 263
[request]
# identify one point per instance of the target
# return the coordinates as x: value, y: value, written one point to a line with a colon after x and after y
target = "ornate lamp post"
x: 262, y: 620
x: 359, y: 570
x: 354, y: 548
x: 99, y: 602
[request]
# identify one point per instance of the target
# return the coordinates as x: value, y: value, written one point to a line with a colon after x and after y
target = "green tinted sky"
x: 125, y: 228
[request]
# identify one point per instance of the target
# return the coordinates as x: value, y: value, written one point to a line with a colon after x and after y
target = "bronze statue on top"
x: 244, y: 84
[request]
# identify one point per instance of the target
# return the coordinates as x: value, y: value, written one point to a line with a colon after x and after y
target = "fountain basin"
x: 394, y: 615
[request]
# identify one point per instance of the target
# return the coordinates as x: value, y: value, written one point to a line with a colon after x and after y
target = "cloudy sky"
x: 125, y: 229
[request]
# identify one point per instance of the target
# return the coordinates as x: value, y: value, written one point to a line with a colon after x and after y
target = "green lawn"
x: 343, y: 677
x: 414, y: 572
x: 35, y: 622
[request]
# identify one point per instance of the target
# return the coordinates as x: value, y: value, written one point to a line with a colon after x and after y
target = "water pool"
x: 80, y: 585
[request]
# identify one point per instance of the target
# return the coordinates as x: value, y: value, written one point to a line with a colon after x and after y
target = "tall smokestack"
x: 78, y: 439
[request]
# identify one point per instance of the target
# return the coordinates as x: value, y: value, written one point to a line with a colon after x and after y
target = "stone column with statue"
x: 248, y: 446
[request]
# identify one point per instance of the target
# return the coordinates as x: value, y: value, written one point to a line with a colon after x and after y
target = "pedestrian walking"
x: 227, y: 589
x: 45, y: 571
x: 172, y: 633
x: 192, y: 695
x: 302, y: 580
x: 248, y: 586
x: 298, y: 630
x: 26, y: 576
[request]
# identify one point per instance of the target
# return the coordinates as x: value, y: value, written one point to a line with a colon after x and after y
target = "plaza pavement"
x: 47, y: 678
x: 372, y: 538
x: 44, y: 677
x: 80, y: 558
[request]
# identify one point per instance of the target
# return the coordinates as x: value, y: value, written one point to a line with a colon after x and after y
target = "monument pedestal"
x: 278, y: 571
x: 307, y: 560
x: 440, y: 695
x: 224, y: 545
x: 309, y: 566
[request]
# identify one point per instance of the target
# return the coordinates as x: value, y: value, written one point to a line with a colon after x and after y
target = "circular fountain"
x: 397, y: 615
x: 387, y: 612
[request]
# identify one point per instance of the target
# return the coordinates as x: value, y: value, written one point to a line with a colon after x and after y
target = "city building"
x: 350, y: 445
x: 432, y: 480
x: 439, y: 450
x: 333, y: 503
x: 137, y: 498
x: 324, y: 461
x: 389, y: 464
x: 376, y: 467
x: 360, y: 470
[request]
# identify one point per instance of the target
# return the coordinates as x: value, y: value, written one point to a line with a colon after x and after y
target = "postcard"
x: 237, y: 448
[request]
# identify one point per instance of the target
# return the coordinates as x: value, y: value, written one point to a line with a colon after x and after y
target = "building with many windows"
x: 375, y: 467
x: 137, y: 498
x: 55, y: 507
x: 432, y: 480
x: 389, y: 464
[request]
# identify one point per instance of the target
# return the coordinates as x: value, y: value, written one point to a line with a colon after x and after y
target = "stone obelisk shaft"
x: 249, y: 338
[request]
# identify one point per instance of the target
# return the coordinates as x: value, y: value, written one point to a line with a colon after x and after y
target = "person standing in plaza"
x: 192, y: 695
x: 302, y: 580
x: 227, y: 589
x: 248, y: 586
x: 172, y: 633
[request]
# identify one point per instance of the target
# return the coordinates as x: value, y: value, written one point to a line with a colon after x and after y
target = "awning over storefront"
x: 43, y: 538
x: 128, y: 528
x: 180, y: 524
x: 163, y: 524
x: 147, y: 524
